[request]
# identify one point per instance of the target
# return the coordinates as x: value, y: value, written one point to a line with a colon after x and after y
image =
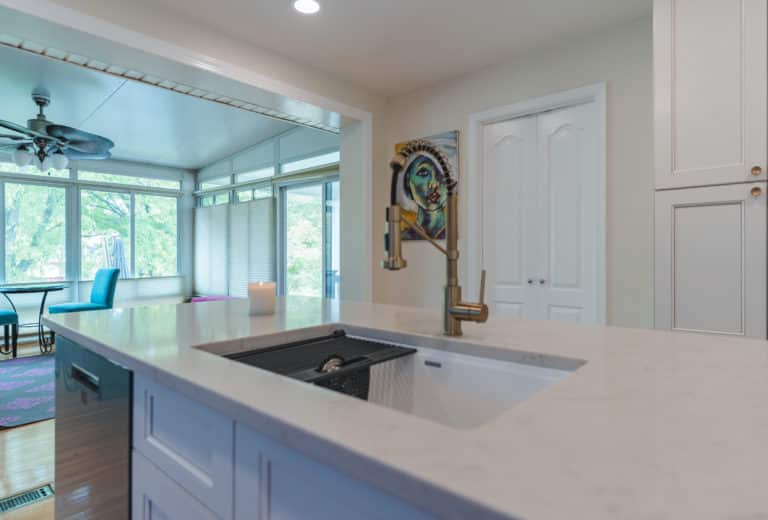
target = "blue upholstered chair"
x: 102, y: 294
x: 9, y: 319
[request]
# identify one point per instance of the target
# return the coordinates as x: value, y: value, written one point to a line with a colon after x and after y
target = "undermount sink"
x: 455, y: 389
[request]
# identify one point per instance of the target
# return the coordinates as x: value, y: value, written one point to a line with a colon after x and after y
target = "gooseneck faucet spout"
x: 454, y: 309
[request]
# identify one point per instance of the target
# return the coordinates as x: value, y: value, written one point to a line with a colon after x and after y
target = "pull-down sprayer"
x: 454, y: 310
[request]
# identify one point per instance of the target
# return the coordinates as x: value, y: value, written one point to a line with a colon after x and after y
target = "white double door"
x: 541, y: 216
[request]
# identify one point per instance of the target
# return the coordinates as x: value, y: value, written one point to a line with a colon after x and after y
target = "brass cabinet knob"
x: 756, y: 171
x: 756, y: 191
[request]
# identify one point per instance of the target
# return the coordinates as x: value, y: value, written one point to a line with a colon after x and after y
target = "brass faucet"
x: 454, y: 310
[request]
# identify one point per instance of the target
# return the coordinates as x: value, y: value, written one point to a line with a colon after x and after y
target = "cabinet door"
x: 155, y: 496
x: 273, y: 482
x: 709, y: 85
x: 711, y: 259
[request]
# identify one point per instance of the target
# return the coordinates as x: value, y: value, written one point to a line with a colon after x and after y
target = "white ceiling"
x: 394, y: 46
x: 148, y: 124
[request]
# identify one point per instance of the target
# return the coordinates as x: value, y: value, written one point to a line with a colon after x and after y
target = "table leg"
x: 46, y: 346
x: 6, y: 348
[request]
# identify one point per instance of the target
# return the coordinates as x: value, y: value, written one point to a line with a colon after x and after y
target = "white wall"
x: 354, y: 225
x: 620, y: 56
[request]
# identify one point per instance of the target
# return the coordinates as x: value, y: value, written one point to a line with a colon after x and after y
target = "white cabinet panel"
x: 275, y: 483
x: 191, y: 443
x: 710, y: 91
x: 711, y: 260
x: 156, y: 497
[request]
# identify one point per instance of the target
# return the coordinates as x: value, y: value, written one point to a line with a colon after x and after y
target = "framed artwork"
x: 422, y: 192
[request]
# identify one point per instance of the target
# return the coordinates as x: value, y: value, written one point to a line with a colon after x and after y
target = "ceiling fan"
x: 48, y: 145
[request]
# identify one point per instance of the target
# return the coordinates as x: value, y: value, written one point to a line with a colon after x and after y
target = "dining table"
x: 46, y: 344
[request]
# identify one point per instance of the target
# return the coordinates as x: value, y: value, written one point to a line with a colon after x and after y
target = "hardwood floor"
x: 26, y: 459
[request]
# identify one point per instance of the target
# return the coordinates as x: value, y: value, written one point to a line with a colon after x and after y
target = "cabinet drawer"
x: 157, y: 497
x: 188, y: 441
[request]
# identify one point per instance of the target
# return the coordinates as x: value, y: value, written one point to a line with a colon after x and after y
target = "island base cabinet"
x: 157, y: 497
x: 711, y: 259
x: 275, y: 483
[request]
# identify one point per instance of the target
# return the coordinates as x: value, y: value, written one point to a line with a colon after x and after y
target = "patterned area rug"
x: 26, y: 390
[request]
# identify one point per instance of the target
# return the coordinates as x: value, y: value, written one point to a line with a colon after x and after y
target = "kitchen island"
x: 645, y: 424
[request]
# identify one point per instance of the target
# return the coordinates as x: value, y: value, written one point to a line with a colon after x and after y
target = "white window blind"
x: 211, y: 250
x: 251, y: 245
x: 261, y: 262
x: 238, y: 250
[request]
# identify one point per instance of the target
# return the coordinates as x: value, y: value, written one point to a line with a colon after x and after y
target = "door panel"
x: 568, y: 191
x: 567, y: 314
x: 509, y: 216
x: 709, y: 243
x: 710, y: 101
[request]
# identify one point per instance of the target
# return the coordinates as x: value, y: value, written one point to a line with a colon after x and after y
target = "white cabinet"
x: 711, y: 259
x: 275, y: 483
x: 157, y: 497
x: 710, y: 71
x: 191, y: 462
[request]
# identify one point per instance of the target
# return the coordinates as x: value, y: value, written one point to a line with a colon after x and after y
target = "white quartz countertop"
x: 655, y: 425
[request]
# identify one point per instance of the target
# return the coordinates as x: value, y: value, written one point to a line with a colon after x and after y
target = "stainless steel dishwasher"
x: 93, y: 435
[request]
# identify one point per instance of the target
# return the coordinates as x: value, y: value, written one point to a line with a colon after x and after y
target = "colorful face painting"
x: 423, y: 192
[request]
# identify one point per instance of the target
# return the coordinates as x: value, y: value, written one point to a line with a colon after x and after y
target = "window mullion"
x: 133, y: 234
x: 2, y: 227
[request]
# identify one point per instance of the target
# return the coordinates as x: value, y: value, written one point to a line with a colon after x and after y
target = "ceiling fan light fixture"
x: 47, y: 164
x: 59, y: 161
x: 21, y: 157
x: 306, y: 6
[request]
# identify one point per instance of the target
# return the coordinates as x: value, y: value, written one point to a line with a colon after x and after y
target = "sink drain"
x: 26, y: 498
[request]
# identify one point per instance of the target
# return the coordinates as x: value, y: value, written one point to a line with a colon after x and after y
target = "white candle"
x: 261, y: 296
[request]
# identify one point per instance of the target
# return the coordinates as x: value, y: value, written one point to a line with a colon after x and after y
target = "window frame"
x: 8, y: 179
x: 72, y: 213
x: 281, y: 251
x: 112, y: 188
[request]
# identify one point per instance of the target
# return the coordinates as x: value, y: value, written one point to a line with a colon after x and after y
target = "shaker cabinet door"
x: 157, y: 497
x: 709, y: 87
x: 273, y: 482
x: 711, y: 259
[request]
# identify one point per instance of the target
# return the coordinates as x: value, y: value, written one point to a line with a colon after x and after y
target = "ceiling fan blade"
x: 88, y: 147
x: 16, y: 137
x: 73, y: 134
x: 20, y: 129
x: 74, y: 154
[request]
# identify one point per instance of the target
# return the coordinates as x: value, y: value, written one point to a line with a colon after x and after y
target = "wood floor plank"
x: 40, y: 511
x: 26, y: 457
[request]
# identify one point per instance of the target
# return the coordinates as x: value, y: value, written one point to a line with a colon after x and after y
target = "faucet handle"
x: 482, y: 287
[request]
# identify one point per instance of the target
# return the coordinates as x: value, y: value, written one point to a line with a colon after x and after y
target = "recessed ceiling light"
x: 306, y: 6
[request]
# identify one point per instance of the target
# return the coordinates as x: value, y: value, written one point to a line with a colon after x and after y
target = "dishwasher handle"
x: 88, y: 379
